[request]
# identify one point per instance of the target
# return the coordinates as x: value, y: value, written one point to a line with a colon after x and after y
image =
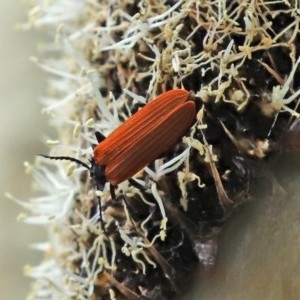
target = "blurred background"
x: 259, y: 253
x: 21, y: 129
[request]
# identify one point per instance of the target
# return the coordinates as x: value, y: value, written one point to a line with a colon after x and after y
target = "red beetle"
x: 145, y: 136
x: 141, y: 139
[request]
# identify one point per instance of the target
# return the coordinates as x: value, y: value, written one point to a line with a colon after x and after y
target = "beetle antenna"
x: 67, y: 158
x: 97, y: 186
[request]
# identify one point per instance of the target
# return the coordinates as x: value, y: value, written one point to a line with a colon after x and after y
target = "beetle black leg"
x: 136, y: 106
x: 99, y: 136
x: 100, y: 210
x: 112, y: 190
x: 136, y: 184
